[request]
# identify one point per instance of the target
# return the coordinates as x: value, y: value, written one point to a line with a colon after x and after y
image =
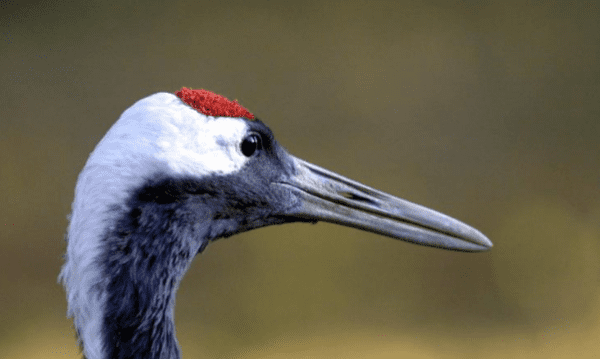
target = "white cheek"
x: 211, y: 147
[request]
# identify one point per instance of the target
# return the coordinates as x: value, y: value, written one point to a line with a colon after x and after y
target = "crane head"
x: 177, y: 171
x: 198, y: 145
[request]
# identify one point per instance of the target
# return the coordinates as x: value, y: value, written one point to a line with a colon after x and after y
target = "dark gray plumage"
x: 164, y: 182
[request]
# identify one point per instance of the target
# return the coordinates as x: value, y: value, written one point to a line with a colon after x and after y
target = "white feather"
x: 158, y: 134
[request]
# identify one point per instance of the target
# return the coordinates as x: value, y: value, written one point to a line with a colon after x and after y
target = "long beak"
x: 327, y: 196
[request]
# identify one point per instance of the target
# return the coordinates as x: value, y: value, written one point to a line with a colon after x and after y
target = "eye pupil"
x: 250, y: 144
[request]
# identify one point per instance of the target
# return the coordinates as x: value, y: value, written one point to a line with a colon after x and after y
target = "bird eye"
x: 250, y: 144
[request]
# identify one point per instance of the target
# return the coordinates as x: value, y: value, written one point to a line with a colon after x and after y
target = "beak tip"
x: 484, y: 242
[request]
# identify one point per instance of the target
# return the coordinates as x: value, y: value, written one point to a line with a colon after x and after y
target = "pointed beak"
x: 327, y: 196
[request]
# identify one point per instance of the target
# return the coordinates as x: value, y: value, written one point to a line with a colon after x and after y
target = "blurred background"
x: 487, y: 112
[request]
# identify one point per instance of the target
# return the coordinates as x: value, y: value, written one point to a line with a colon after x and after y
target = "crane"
x: 177, y: 171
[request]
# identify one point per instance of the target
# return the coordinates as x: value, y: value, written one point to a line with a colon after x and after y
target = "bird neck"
x: 145, y: 261
x: 152, y: 239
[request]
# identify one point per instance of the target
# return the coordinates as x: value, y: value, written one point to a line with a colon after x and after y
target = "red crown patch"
x: 211, y: 104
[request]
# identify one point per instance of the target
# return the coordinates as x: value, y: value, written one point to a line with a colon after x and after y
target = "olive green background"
x: 487, y: 112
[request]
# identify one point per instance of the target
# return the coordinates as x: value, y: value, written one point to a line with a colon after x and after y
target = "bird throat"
x: 148, y: 250
x: 145, y: 261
